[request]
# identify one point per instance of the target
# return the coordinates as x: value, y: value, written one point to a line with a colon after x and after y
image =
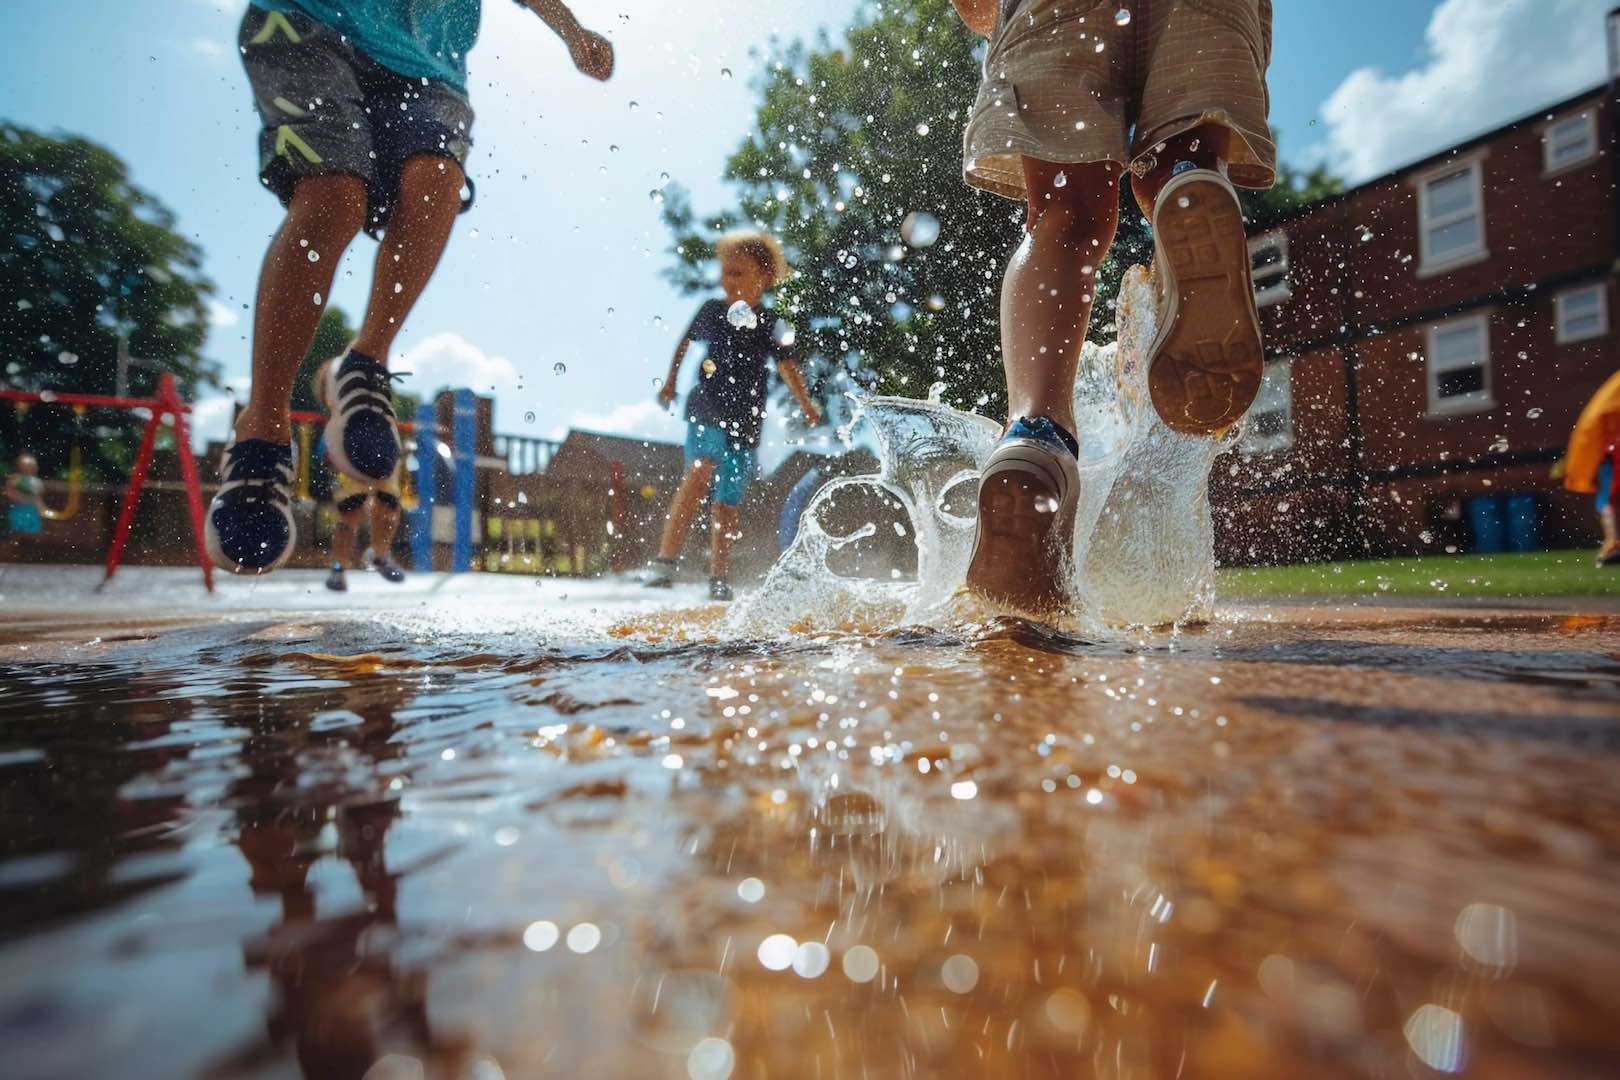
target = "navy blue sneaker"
x: 1027, y: 497
x: 385, y: 566
x: 249, y: 525
x: 362, y: 438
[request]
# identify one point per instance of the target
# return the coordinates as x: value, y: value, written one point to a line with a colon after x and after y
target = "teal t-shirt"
x: 422, y: 39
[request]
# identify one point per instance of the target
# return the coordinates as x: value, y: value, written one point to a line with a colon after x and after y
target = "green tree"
x: 88, y: 256
x: 849, y: 140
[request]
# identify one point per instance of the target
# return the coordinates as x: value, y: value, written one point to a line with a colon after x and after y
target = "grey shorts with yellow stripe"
x: 327, y: 109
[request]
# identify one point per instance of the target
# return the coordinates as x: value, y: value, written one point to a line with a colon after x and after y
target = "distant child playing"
x: 352, y: 499
x: 1074, y: 95
x: 366, y: 125
x: 725, y: 412
x: 25, y: 498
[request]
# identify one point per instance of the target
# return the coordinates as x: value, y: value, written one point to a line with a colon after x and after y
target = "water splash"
x: 1144, y: 552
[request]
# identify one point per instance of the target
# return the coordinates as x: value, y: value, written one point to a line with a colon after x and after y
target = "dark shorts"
x: 329, y: 109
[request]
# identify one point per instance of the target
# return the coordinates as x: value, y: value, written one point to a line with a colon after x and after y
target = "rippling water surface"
x: 487, y: 832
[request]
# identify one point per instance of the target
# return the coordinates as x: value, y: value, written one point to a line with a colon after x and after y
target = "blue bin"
x: 1521, y: 523
x: 1485, y: 515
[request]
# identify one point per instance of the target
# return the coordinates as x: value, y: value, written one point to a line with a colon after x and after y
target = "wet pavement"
x: 483, y: 827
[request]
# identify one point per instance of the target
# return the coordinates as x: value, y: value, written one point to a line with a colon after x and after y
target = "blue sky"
x: 559, y: 260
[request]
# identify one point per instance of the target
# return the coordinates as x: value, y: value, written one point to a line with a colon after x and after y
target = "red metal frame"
x: 166, y: 402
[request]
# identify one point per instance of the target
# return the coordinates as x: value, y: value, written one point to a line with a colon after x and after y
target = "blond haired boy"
x: 725, y: 412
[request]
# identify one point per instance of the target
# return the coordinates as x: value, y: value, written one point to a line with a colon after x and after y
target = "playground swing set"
x: 166, y: 407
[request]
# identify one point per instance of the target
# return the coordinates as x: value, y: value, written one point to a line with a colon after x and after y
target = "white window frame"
x: 1279, y: 381
x: 1277, y: 291
x: 1428, y: 264
x: 1561, y: 320
x: 1481, y: 400
x: 1588, y: 118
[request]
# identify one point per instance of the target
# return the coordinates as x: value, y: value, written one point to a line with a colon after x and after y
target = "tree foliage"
x: 849, y: 140
x: 87, y: 256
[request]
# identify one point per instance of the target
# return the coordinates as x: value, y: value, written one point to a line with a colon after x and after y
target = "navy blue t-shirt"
x: 735, y: 376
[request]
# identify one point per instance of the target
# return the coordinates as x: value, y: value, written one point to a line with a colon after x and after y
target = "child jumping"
x: 1073, y: 96
x: 725, y: 412
x: 352, y: 499
x: 366, y: 125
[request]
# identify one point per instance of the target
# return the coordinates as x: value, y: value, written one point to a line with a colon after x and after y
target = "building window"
x: 1451, y: 218
x: 1268, y: 255
x: 1570, y: 141
x: 1583, y: 313
x: 1459, y: 366
x: 1269, y: 428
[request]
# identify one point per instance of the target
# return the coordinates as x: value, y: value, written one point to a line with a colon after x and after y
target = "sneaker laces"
x: 367, y: 384
x: 260, y: 470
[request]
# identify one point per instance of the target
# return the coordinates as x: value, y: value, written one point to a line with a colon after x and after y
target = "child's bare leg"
x: 1047, y: 290
x: 1204, y: 146
x: 688, y: 497
x: 323, y: 217
x: 346, y: 536
x: 429, y: 200
x: 384, y: 524
x: 723, y: 519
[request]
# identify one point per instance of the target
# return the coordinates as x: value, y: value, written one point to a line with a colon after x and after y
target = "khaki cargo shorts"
x: 1065, y: 81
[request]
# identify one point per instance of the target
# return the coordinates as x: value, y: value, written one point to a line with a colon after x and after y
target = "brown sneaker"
x: 1027, y: 498
x: 1609, y: 553
x: 1206, y: 361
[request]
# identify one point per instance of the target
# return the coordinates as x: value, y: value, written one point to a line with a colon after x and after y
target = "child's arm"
x: 592, y: 53
x: 666, y: 392
x: 13, y: 490
x: 980, y: 15
x: 790, y: 373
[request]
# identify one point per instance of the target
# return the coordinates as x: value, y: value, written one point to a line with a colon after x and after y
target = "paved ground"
x: 567, y: 829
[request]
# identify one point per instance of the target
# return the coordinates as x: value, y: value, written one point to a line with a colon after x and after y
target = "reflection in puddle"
x: 1290, y: 847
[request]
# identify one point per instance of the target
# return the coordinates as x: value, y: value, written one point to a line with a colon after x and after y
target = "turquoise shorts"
x: 1605, y: 479
x: 24, y: 519
x: 733, y: 465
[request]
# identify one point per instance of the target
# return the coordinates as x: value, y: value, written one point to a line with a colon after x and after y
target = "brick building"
x: 1431, y: 336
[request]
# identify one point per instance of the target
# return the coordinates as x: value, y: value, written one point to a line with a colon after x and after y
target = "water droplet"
x: 398, y: 288
x: 67, y: 359
x: 742, y: 316
x: 1533, y: 414
x: 725, y: 73
x: 710, y: 1059
x: 861, y: 964
x: 1122, y: 17
x: 1079, y: 125
x: 528, y: 418
x: 1060, y: 180
x: 317, y: 299
x: 559, y: 368
x: 1183, y: 202
x: 663, y: 178
x: 314, y: 256
x: 584, y: 937
x: 656, y: 196
x: 708, y: 367
x: 541, y: 935
x: 959, y: 974
x: 777, y: 951
x: 810, y: 960
x: 1100, y: 47
x: 752, y: 890
x: 920, y: 229
x: 922, y: 129
x: 936, y: 303
x: 634, y: 105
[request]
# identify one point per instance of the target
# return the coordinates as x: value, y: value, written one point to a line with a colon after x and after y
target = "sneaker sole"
x: 1206, y: 362
x: 1021, y: 552
x: 230, y: 565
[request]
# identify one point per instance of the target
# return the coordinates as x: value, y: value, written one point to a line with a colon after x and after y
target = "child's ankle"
x: 276, y: 428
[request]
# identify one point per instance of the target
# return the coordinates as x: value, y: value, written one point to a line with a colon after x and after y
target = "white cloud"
x: 643, y: 419
x: 222, y: 316
x: 448, y: 359
x: 1486, y: 62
